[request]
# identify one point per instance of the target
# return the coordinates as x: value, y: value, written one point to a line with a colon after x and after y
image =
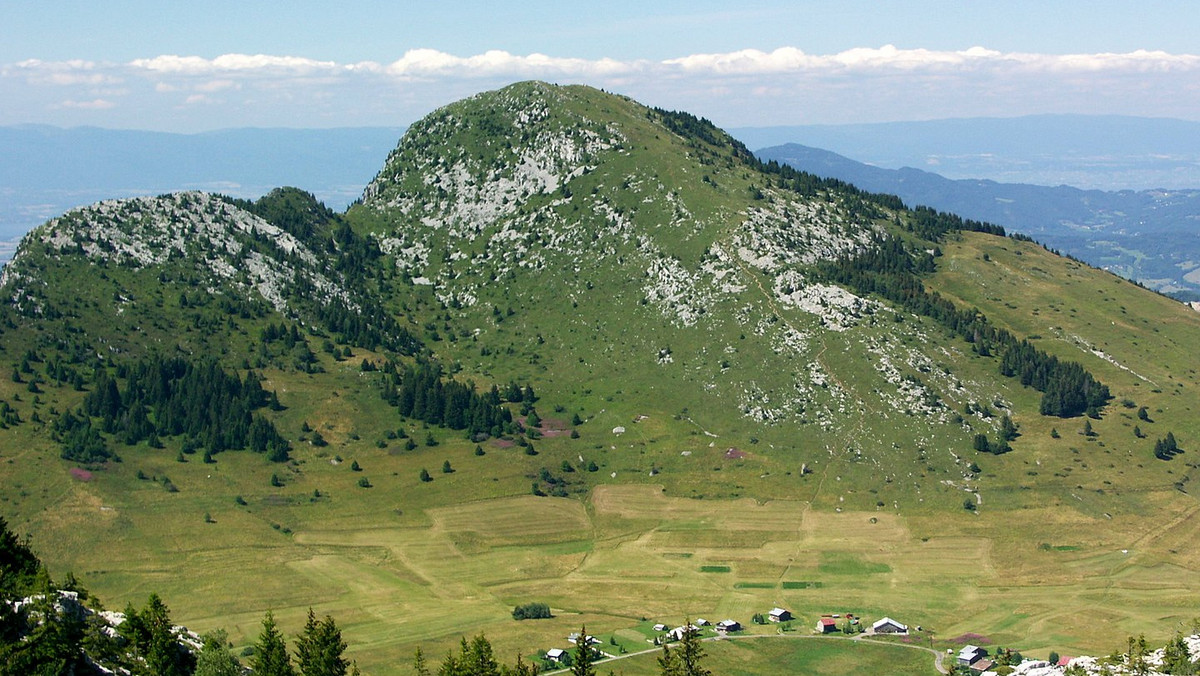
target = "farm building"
x: 826, y: 625
x: 970, y: 654
x: 701, y: 622
x: 660, y: 627
x: 889, y: 626
x: 573, y: 638
x: 729, y: 625
x: 779, y: 615
x: 981, y: 666
x: 677, y: 633
x: 555, y: 654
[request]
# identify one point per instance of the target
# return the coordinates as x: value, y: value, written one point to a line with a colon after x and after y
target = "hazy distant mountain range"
x: 1146, y: 235
x: 1103, y: 152
x: 46, y: 170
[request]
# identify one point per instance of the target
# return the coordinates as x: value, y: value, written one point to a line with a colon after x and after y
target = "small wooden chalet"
x: 725, y: 626
x: 779, y: 615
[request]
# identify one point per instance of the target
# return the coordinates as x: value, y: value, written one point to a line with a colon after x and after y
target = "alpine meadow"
x: 573, y: 351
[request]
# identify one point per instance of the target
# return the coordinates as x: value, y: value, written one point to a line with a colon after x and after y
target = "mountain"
x: 1101, y: 152
x: 44, y: 171
x: 1096, y: 152
x: 661, y: 379
x: 1141, y: 235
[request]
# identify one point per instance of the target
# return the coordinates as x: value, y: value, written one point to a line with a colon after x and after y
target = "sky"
x: 197, y: 66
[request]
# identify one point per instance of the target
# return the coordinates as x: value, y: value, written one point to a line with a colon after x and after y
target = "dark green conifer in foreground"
x: 270, y: 652
x: 319, y: 648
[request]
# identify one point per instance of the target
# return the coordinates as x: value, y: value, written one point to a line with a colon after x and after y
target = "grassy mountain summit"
x: 644, y: 254
x: 659, y: 378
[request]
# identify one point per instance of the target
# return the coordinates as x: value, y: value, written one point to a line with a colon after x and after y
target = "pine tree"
x: 668, y: 662
x: 52, y: 647
x: 1136, y: 657
x: 1008, y: 429
x: 153, y: 637
x: 478, y: 659
x: 319, y: 648
x: 270, y: 653
x: 420, y: 667
x: 1176, y: 658
x: 18, y: 564
x: 513, y: 394
x: 521, y: 668
x: 691, y: 652
x: 1166, y: 449
x: 581, y: 660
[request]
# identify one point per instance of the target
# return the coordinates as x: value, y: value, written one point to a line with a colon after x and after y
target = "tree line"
x: 887, y: 269
x: 170, y: 397
x: 421, y: 391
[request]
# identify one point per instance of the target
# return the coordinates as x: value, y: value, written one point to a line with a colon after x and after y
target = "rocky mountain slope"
x: 557, y: 291
x: 609, y: 253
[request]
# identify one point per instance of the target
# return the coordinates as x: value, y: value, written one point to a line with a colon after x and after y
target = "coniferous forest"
x: 214, y: 410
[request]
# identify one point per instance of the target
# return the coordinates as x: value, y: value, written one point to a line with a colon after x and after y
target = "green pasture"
x: 783, y: 655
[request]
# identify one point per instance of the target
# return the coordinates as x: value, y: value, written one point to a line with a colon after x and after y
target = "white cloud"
x: 429, y: 62
x: 64, y: 73
x: 890, y: 58
x: 94, y: 104
x: 195, y: 65
x: 1141, y: 61
x: 734, y: 88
